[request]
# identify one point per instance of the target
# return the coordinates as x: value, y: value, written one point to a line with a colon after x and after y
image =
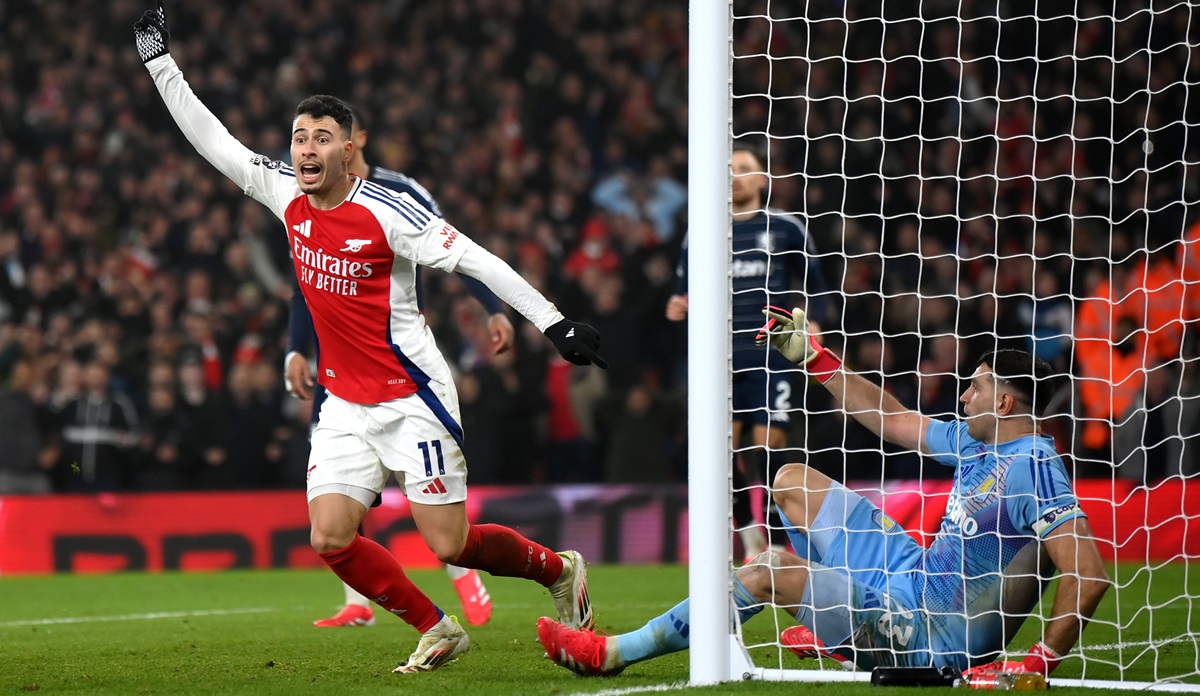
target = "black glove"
x: 151, y: 35
x: 577, y: 343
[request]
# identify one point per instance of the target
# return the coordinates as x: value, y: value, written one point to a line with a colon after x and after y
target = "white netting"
x: 987, y: 175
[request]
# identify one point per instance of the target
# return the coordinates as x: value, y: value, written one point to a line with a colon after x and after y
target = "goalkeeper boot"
x: 350, y: 615
x: 476, y: 603
x: 579, y: 650
x: 439, y: 645
x: 570, y: 593
x: 805, y: 644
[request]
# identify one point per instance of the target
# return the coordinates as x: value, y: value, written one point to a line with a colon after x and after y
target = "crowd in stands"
x: 966, y: 185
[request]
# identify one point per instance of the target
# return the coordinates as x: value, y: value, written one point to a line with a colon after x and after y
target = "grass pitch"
x: 251, y: 633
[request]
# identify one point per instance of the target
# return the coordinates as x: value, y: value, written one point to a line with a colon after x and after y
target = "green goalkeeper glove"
x: 788, y: 332
x: 151, y: 35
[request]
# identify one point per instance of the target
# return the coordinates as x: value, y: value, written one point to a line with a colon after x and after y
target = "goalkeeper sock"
x: 374, y: 571
x: 669, y: 632
x: 662, y: 635
x: 502, y: 552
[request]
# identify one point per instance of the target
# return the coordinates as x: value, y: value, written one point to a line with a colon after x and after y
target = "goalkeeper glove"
x: 788, y: 332
x: 151, y: 35
x: 578, y: 343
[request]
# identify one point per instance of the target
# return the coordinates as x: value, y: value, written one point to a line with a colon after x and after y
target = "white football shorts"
x: 356, y: 448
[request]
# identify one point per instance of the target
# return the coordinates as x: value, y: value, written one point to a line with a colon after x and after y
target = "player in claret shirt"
x: 392, y: 408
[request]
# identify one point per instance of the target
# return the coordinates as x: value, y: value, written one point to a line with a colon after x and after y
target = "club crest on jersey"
x: 304, y: 228
x: 355, y: 245
x: 882, y: 521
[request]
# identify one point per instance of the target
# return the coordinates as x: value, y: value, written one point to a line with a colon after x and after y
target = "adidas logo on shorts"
x: 434, y: 488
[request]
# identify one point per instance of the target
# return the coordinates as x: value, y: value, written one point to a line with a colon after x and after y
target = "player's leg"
x: 856, y: 623
x: 428, y: 460
x: 754, y: 540
x: 748, y: 386
x: 763, y: 400
x: 771, y: 439
x: 502, y: 551
x: 345, y: 476
x: 839, y: 528
x: 859, y: 601
x: 356, y: 610
x: 587, y: 653
x: 363, y: 564
x: 476, y: 602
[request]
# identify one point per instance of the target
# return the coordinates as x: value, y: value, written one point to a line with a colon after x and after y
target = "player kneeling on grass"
x: 865, y: 592
x: 392, y: 408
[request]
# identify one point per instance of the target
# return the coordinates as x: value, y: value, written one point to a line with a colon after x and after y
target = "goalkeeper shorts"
x: 862, y: 584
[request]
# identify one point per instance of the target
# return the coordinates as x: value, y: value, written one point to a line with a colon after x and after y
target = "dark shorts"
x: 765, y: 391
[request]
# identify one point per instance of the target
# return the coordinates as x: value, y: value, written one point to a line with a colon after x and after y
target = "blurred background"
x: 973, y: 179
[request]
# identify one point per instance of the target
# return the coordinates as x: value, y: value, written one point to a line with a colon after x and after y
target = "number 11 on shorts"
x: 441, y: 463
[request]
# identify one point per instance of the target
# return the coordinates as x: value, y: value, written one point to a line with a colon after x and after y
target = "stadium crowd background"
x: 143, y: 299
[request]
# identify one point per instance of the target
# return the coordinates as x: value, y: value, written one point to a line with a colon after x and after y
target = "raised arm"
x: 866, y: 402
x: 257, y: 175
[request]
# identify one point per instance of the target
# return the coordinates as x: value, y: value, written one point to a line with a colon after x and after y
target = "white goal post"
x: 971, y: 174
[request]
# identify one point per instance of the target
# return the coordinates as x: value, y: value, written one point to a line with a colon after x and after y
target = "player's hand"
x: 500, y: 331
x: 151, y: 35
x: 789, y: 333
x: 677, y: 307
x: 578, y: 343
x: 296, y: 377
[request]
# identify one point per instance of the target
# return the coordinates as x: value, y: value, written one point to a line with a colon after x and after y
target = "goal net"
x: 971, y: 177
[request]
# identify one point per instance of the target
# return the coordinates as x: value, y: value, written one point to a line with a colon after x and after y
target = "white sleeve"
x: 268, y: 182
x: 483, y: 265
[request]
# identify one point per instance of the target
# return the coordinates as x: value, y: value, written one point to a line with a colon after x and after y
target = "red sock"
x: 376, y: 574
x: 502, y: 552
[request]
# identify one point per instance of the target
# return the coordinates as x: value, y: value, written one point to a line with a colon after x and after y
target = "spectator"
x: 25, y: 463
x: 99, y: 432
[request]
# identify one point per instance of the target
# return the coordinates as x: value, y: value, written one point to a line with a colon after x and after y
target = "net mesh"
x: 975, y: 176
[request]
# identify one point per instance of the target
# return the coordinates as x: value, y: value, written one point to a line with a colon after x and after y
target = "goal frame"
x: 717, y: 653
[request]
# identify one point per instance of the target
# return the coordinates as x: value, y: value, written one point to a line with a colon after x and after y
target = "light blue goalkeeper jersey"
x: 984, y: 573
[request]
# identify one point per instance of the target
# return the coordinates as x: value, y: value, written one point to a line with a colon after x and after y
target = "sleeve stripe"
x: 415, y: 210
x: 391, y: 203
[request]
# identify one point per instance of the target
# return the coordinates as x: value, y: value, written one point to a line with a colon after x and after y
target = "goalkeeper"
x: 865, y: 592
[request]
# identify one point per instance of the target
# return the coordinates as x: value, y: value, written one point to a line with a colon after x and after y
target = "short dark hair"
x: 747, y: 146
x: 1032, y: 379
x: 322, y: 105
x: 356, y: 115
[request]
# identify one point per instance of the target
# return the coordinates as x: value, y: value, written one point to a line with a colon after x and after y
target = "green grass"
x: 258, y: 638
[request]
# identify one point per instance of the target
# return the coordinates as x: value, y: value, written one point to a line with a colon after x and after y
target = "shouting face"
x: 320, y: 153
